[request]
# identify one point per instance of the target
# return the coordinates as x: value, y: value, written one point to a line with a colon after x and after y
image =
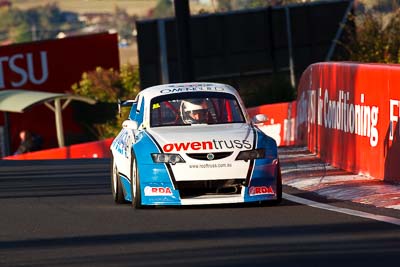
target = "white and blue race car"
x: 191, y: 144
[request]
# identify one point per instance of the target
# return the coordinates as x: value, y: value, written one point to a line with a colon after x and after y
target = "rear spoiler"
x: 124, y: 103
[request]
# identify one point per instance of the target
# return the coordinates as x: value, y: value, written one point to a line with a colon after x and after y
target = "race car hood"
x: 204, y: 138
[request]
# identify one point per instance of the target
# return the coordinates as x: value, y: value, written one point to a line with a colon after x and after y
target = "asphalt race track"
x: 61, y: 213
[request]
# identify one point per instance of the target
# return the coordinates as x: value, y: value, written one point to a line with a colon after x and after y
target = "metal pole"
x: 182, y: 15
x: 289, y: 36
x: 59, y: 126
x: 271, y: 40
x: 339, y: 32
x: 163, y: 51
x: 6, y: 134
x: 288, y: 134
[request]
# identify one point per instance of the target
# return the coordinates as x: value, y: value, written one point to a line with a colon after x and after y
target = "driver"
x: 194, y: 111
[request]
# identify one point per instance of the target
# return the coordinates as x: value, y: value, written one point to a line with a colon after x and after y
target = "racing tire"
x: 135, y: 184
x: 278, y: 199
x: 116, y: 185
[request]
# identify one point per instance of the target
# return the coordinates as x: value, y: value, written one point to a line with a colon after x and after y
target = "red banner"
x: 52, y: 66
x: 281, y: 121
x: 348, y: 113
x: 97, y: 149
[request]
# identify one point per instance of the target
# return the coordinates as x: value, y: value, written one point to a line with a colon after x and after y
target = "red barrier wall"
x: 281, y: 121
x: 98, y: 149
x: 280, y: 126
x: 348, y: 113
x: 52, y: 66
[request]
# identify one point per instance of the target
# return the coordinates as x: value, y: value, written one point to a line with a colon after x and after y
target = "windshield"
x: 194, y: 108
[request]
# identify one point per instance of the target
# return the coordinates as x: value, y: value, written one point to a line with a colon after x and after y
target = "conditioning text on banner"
x: 349, y: 113
x: 341, y: 113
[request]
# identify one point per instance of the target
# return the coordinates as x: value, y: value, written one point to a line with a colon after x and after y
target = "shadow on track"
x: 52, y: 178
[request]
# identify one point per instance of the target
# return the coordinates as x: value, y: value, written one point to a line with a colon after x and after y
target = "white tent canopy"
x: 18, y: 100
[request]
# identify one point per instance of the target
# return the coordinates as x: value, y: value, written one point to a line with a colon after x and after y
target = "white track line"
x: 342, y: 210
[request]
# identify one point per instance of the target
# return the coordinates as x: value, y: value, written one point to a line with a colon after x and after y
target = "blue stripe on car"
x: 264, y: 173
x: 167, y: 165
x: 153, y: 175
x: 251, y: 165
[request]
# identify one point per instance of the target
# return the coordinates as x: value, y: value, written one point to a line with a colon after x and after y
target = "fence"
x: 243, y: 43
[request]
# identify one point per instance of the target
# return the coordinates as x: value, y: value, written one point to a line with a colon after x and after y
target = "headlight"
x: 251, y: 154
x: 167, y: 158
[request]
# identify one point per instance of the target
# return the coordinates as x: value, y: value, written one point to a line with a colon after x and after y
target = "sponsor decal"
x: 157, y: 191
x: 122, y: 144
x: 210, y: 165
x: 213, y: 144
x: 261, y: 190
x: 156, y: 106
x: 340, y: 114
x: 23, y: 65
x: 394, y: 117
x: 191, y: 88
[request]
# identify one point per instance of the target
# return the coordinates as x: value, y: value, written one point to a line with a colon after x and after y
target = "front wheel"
x: 278, y: 191
x: 135, y: 185
x: 116, y: 186
x: 278, y: 199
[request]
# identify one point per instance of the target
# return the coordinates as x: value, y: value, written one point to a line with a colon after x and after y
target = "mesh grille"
x: 203, y: 156
x: 218, y: 187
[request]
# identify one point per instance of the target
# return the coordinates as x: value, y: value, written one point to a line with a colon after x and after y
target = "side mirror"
x: 129, y: 124
x: 259, y: 118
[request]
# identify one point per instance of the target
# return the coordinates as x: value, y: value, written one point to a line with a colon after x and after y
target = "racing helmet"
x: 194, y: 111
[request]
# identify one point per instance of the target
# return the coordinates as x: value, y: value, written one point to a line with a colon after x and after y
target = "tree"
x: 123, y: 23
x: 164, y: 9
x: 377, y: 39
x: 230, y: 5
x: 43, y: 22
x: 107, y: 86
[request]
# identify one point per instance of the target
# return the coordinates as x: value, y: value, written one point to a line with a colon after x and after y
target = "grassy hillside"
x: 139, y: 7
